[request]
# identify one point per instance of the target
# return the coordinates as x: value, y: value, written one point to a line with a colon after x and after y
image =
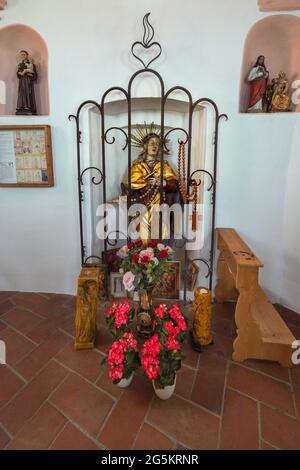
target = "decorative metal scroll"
x: 99, y: 177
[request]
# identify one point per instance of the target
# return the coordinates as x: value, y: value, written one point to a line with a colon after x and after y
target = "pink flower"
x: 161, y: 310
x: 128, y: 280
x: 116, y: 373
x: 172, y: 343
x: 146, y: 255
x: 123, y: 252
x: 112, y: 309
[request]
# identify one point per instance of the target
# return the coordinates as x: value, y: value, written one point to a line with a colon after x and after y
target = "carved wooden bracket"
x: 3, y: 4
x: 278, y: 5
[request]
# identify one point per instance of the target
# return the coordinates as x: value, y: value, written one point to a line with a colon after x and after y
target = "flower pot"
x: 166, y: 392
x: 125, y: 382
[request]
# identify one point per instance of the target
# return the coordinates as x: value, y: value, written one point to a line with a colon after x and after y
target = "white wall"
x: 89, y: 43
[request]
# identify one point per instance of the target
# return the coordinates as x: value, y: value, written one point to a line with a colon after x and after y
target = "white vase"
x: 125, y: 382
x: 166, y: 392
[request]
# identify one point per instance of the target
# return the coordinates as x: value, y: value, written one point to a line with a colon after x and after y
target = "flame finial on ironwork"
x: 147, y: 43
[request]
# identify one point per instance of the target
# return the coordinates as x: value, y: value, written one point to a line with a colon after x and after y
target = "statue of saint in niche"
x: 146, y: 176
x: 280, y: 99
x: 27, y: 75
x: 258, y: 79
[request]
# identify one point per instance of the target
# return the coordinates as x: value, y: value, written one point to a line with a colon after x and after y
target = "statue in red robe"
x: 258, y: 79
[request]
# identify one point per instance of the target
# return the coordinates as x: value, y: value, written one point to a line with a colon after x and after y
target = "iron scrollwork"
x: 147, y: 44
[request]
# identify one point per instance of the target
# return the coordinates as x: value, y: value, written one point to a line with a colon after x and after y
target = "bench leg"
x: 225, y: 289
x: 246, y: 328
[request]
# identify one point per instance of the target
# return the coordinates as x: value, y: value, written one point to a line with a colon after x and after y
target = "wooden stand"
x: 87, y: 299
x: 261, y: 332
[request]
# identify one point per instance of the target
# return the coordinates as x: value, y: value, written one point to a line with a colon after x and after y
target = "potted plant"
x: 122, y: 360
x: 118, y: 318
x: 143, y: 265
x: 162, y: 353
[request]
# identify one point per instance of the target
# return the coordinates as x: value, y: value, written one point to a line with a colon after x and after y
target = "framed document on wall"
x: 26, y: 156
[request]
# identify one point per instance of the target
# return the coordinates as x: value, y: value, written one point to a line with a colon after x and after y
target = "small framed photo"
x: 26, y: 156
x: 170, y: 288
x: 192, y: 275
x: 117, y: 289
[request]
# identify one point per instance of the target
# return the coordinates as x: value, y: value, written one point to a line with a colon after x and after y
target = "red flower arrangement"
x: 162, y: 353
x: 118, y: 317
x: 123, y: 358
x: 143, y: 264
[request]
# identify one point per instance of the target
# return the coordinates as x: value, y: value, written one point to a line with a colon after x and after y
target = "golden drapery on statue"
x: 146, y: 179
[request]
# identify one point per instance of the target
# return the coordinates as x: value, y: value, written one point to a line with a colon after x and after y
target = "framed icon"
x: 170, y: 288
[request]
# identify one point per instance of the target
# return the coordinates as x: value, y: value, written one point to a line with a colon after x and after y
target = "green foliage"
x: 170, y: 363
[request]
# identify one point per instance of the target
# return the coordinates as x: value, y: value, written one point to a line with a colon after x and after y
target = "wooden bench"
x: 261, y: 332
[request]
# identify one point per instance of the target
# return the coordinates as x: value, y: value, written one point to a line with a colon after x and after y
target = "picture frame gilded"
x: 26, y: 156
x: 170, y: 290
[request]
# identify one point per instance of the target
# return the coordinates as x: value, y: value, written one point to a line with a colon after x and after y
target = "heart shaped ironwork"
x: 146, y: 47
x: 147, y: 43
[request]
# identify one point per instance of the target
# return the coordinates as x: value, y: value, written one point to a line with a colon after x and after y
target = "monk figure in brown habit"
x: 27, y: 75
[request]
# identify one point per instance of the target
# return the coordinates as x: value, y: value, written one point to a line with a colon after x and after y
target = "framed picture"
x: 112, y: 260
x: 117, y: 289
x: 26, y: 156
x: 192, y: 275
x: 171, y: 283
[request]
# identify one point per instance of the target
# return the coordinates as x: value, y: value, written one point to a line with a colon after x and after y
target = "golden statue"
x: 280, y: 100
x: 146, y: 175
x: 202, y: 317
x: 87, y: 300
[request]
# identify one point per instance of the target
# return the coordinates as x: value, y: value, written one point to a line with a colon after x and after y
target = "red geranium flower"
x: 130, y: 245
x: 139, y: 243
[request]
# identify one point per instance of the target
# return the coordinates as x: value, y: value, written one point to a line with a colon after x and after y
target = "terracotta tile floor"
x: 52, y: 397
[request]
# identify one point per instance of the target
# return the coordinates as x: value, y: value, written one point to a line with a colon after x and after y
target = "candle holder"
x: 202, y: 310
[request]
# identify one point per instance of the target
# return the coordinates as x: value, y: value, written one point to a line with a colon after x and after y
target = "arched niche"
x: 277, y: 37
x: 143, y: 109
x: 13, y: 39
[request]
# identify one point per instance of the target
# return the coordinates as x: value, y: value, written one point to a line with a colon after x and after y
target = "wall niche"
x: 13, y: 39
x: 276, y: 37
x: 278, y: 5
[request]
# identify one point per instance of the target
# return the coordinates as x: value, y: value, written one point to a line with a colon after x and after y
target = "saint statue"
x: 280, y: 100
x: 258, y: 79
x: 146, y: 177
x: 27, y: 75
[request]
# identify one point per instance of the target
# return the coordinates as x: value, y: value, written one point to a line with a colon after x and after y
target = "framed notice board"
x: 26, y: 156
